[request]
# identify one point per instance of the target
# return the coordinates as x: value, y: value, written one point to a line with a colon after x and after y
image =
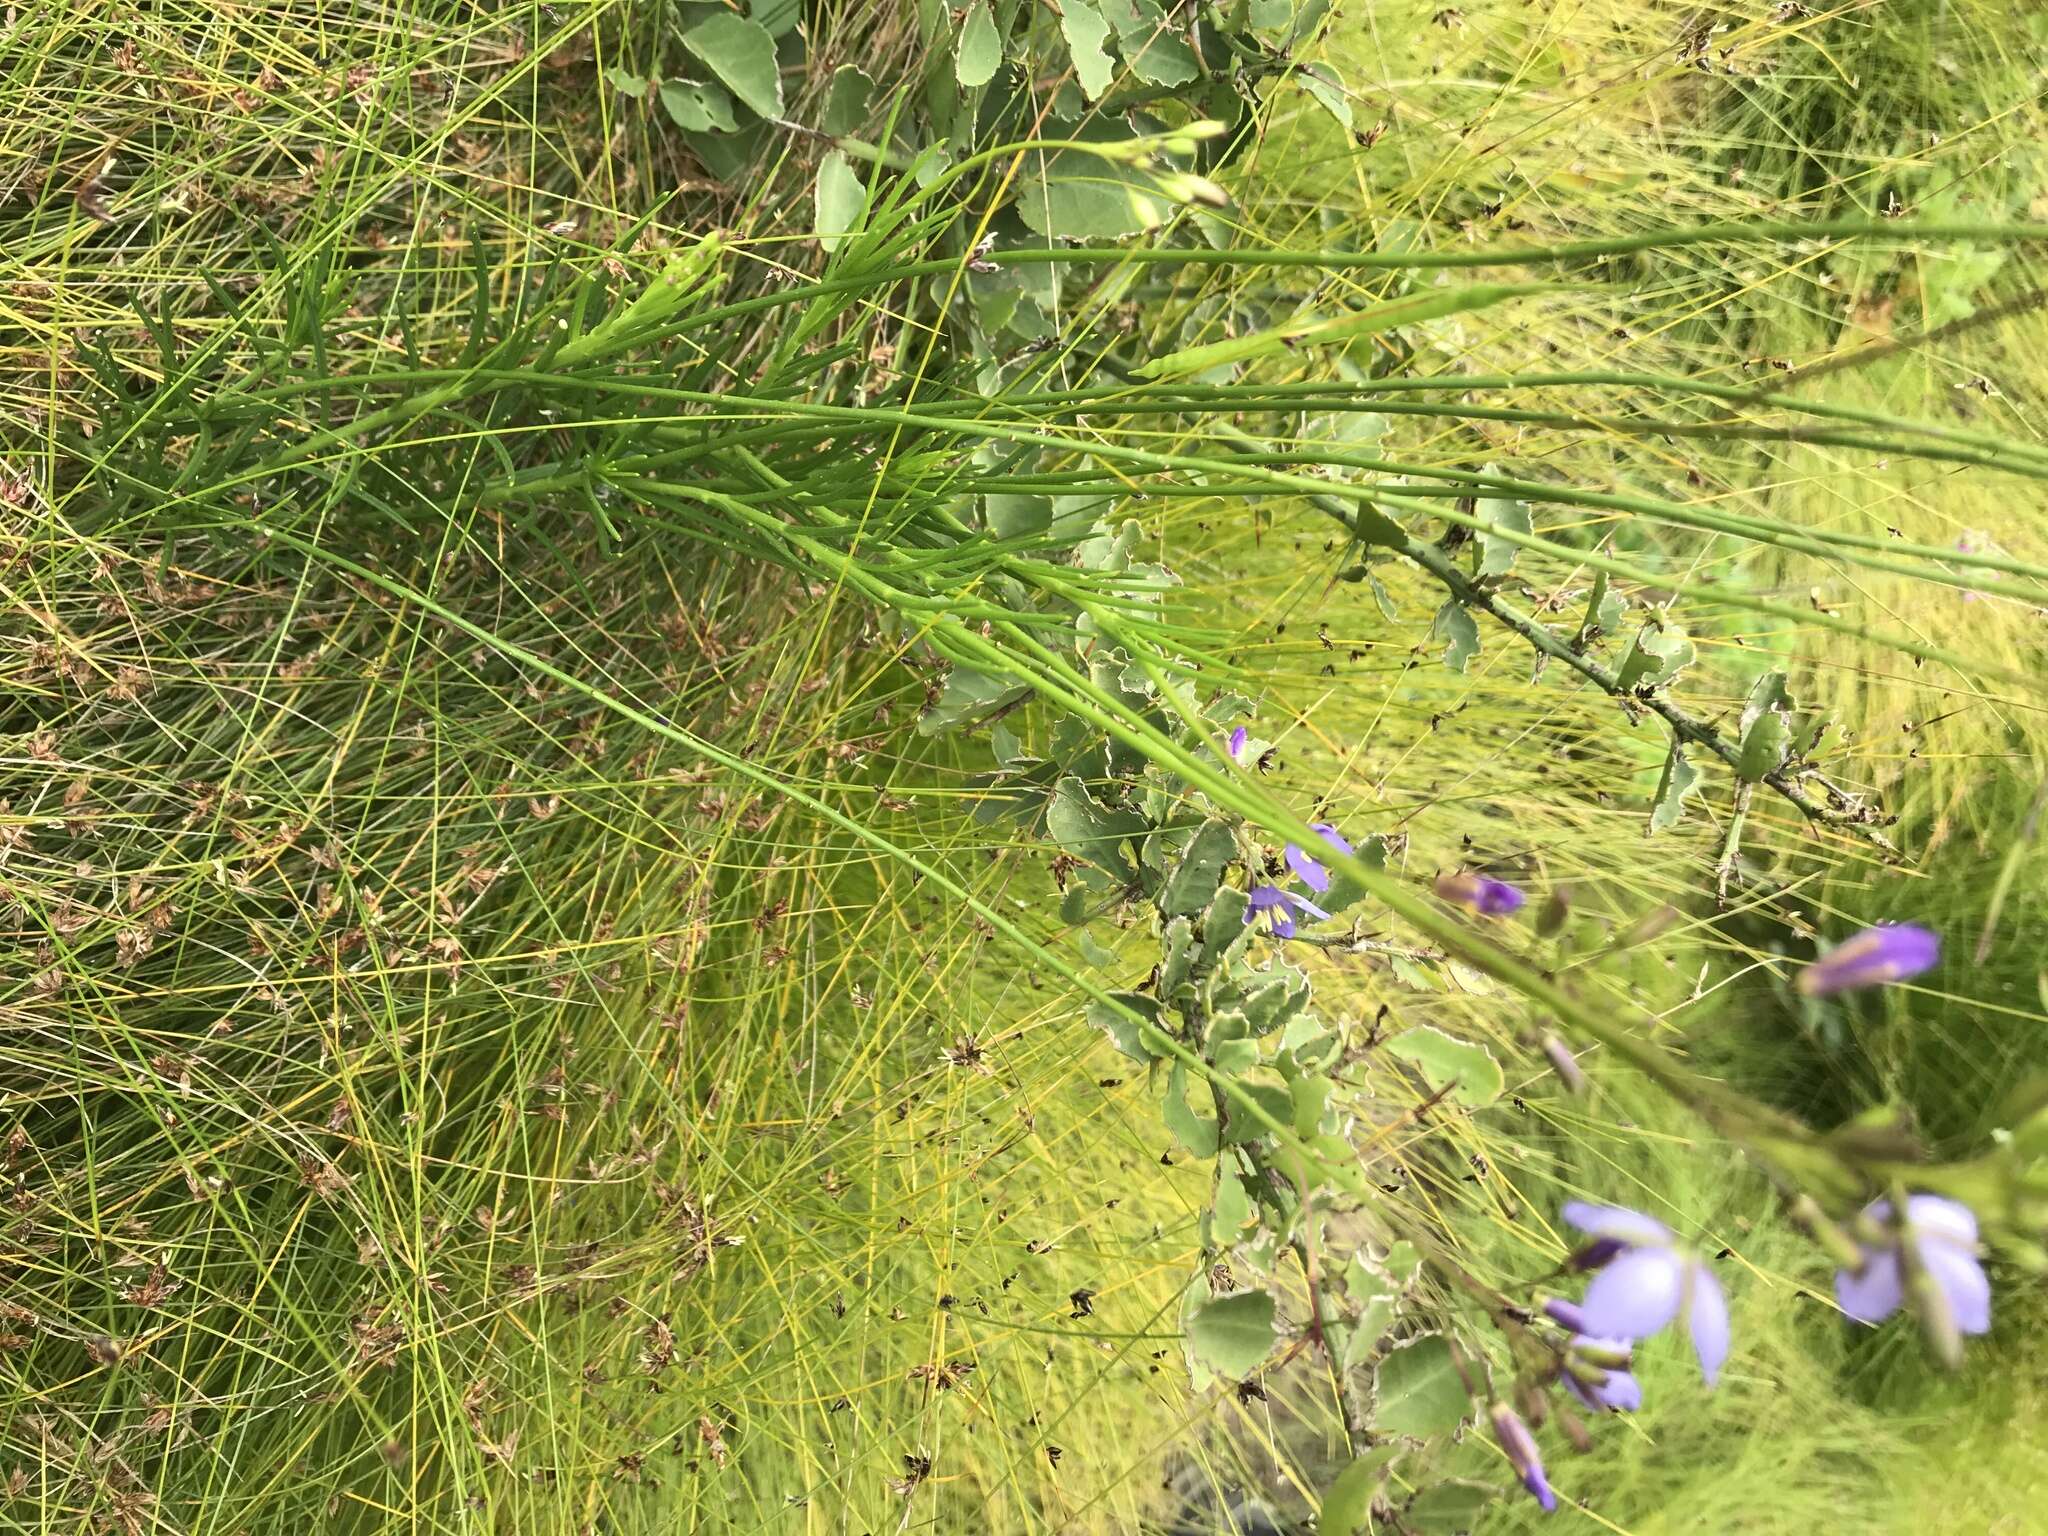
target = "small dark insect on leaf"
x: 1250, y: 1392
x: 1083, y: 1303
x: 1053, y: 1454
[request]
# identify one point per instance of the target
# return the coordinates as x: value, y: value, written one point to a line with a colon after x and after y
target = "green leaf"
x: 1224, y: 930
x: 1192, y: 884
x: 1232, y: 1334
x: 1382, y: 597
x: 1157, y: 55
x: 967, y: 695
x: 846, y: 102
x: 1661, y: 651
x: 1311, y: 1095
x: 1604, y: 610
x: 1322, y: 83
x: 1347, y: 1507
x: 1475, y: 1077
x: 1271, y: 997
x: 1460, y: 633
x: 1120, y: 1027
x: 700, y: 108
x: 1011, y: 516
x: 742, y: 54
x: 776, y: 16
x: 1088, y: 830
x: 1231, y: 1208
x: 1273, y: 1099
x: 1433, y: 304
x: 1176, y: 956
x: 980, y: 50
x: 1766, y: 731
x: 1402, y: 1263
x: 1418, y: 1390
x: 1073, y: 195
x: 1673, y: 785
x: 1086, y: 31
x: 1450, y: 1508
x: 1195, y: 1132
x: 1497, y: 555
x: 625, y: 82
x: 842, y: 200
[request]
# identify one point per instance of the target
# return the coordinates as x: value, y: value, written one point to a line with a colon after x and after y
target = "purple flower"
x: 1649, y: 1282
x: 1280, y: 907
x: 1238, y: 738
x: 1943, y: 1236
x: 1520, y: 1445
x: 1482, y: 893
x: 1312, y: 874
x: 1600, y: 1385
x: 1873, y: 957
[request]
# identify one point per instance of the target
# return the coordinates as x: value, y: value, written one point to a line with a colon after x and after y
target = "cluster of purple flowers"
x: 1644, y: 1278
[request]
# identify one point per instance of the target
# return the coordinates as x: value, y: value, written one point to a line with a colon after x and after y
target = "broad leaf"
x: 1459, y: 632
x: 742, y: 54
x: 1496, y: 554
x: 1673, y: 785
x: 1192, y: 884
x: 700, y: 108
x: 1086, y: 32
x: 1473, y: 1076
x: 1347, y: 1507
x: 846, y: 103
x: 980, y: 51
x: 1433, y: 304
x: 1322, y: 84
x: 1232, y: 1334
x: 1766, y: 730
x: 967, y: 695
x: 1660, y: 653
x: 842, y: 200
x: 1418, y: 1390
x: 1197, y: 1133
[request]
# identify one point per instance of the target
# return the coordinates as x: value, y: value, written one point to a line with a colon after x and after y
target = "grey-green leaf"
x: 1766, y: 730
x: 742, y: 54
x: 846, y: 103
x: 1496, y: 554
x: 1086, y: 32
x: 1418, y: 1389
x: 1322, y: 84
x: 1192, y: 884
x: 1673, y: 785
x: 967, y: 695
x: 1660, y: 653
x: 1197, y: 1133
x: 1459, y: 631
x: 1347, y: 1507
x: 980, y: 51
x: 1232, y: 1334
x: 842, y: 200
x: 700, y: 108
x: 1468, y: 1069
x: 1431, y: 304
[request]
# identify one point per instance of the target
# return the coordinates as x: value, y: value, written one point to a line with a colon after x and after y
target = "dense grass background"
x: 434, y: 1103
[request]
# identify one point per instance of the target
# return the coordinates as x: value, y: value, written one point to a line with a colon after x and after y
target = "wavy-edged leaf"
x: 1418, y: 1390
x: 979, y: 53
x: 1232, y: 1335
x: 742, y: 54
x: 1433, y: 304
x: 1467, y: 1068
